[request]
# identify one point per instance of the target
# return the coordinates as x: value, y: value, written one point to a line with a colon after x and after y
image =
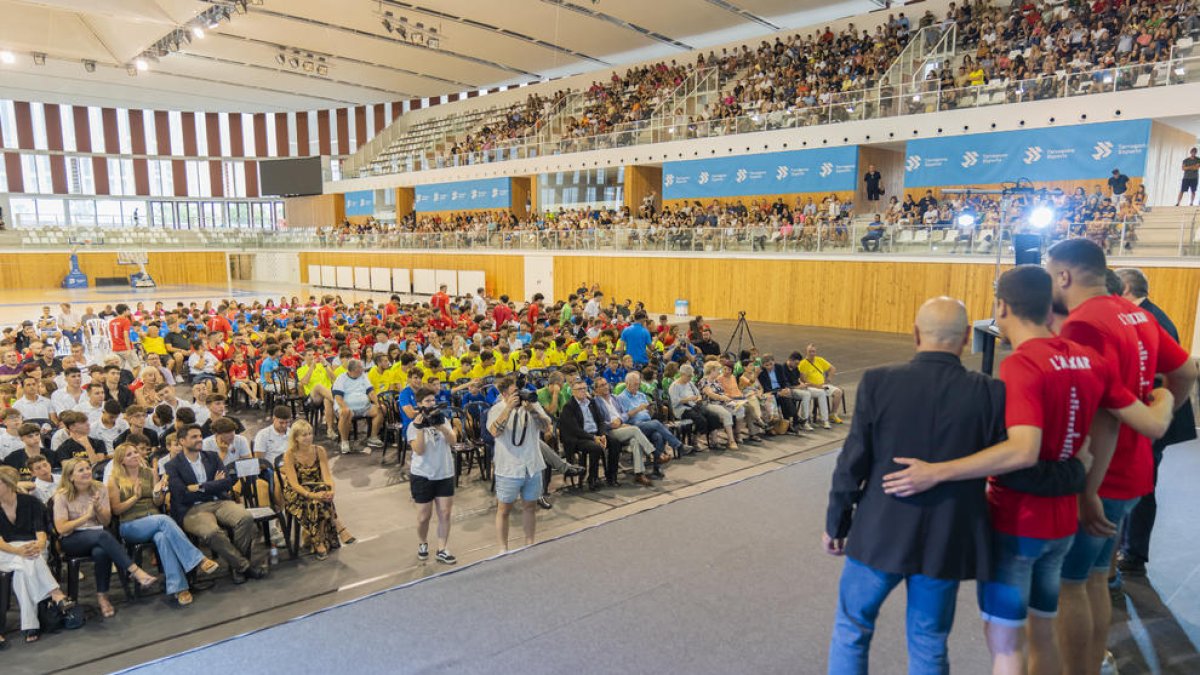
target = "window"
x: 51, y: 212
x: 108, y: 212
x: 96, y: 129
x: 8, y: 126
x: 36, y: 169
x: 24, y: 212
x: 248, y: 135
x: 202, y: 146
x: 67, y: 114
x: 151, y: 132
x: 272, y: 146
x: 120, y: 176
x: 293, y: 145
x: 124, y: 139
x: 81, y: 211
x: 38, y: 113
x: 198, y: 183
x: 80, y: 179
x: 162, y: 178
x: 223, y: 125
x: 175, y: 120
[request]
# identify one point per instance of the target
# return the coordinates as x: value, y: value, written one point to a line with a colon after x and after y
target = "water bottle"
x: 274, y: 556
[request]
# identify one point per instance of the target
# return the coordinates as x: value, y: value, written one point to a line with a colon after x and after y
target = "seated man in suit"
x: 203, y: 506
x: 581, y: 429
x: 795, y: 402
x: 624, y: 435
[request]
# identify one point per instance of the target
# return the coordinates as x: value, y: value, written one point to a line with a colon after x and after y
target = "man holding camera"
x: 517, y: 423
x: 430, y: 435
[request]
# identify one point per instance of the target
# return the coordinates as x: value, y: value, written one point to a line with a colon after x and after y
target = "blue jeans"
x: 1091, y: 555
x: 931, y: 605
x: 1026, y: 574
x: 103, y: 548
x: 176, y: 554
x: 658, y: 434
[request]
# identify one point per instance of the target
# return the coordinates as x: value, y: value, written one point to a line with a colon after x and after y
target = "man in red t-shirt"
x: 217, y: 323
x: 440, y: 302
x: 1123, y: 471
x: 325, y: 317
x: 1053, y: 388
x: 502, y: 313
x: 118, y: 334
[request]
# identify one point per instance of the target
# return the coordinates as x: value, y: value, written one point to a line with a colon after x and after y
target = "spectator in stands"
x: 79, y: 443
x: 432, y: 472
x: 1191, y: 175
x: 23, y: 541
x: 516, y: 426
x: 316, y: 379
x: 874, y: 182
x: 817, y: 373
x: 201, y: 502
x: 871, y: 241
x: 730, y: 412
x: 135, y: 497
x: 308, y: 490
x: 81, y: 513
x: 271, y: 441
x: 226, y: 443
x: 581, y: 428
x: 1118, y: 185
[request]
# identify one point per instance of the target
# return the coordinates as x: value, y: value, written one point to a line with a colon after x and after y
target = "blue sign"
x: 1080, y: 152
x: 819, y: 170
x: 360, y: 203
x: 467, y: 195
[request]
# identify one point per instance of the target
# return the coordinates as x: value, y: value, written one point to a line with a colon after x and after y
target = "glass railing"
x: 818, y: 109
x: 845, y: 237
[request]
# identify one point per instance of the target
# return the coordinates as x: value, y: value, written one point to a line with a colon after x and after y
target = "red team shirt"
x: 325, y: 320
x: 118, y: 333
x: 1130, y: 339
x: 1055, y: 385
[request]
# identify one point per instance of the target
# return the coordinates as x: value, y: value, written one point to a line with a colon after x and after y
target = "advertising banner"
x: 1079, y: 152
x: 468, y: 195
x: 360, y: 203
x: 817, y: 170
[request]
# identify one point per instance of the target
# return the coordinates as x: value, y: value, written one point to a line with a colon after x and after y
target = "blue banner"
x: 468, y: 195
x: 360, y: 203
x: 818, y: 170
x: 1080, y: 152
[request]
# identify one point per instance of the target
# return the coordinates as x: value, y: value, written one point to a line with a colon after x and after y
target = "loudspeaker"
x: 1028, y: 249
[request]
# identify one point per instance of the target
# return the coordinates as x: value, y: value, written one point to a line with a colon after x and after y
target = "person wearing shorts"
x: 353, y: 396
x: 517, y: 427
x: 1191, y: 175
x: 432, y: 474
x: 1138, y: 347
x: 1053, y: 388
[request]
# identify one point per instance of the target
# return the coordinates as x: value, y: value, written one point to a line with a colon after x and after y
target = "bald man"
x: 930, y: 541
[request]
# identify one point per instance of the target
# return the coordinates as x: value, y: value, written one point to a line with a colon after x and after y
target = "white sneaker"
x: 808, y: 427
x: 345, y: 447
x: 374, y: 442
x: 826, y: 425
x: 1109, y: 665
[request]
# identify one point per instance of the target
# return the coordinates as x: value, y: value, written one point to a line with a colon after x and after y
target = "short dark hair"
x: 223, y: 425
x: 1113, y: 283
x: 1082, y: 255
x: 422, y: 392
x: 187, y: 429
x: 35, y: 460
x: 186, y: 415
x: 281, y: 412
x: 1026, y: 289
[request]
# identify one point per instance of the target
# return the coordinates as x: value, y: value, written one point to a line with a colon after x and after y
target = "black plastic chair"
x: 5, y: 596
x: 393, y: 427
x: 58, y: 559
x: 474, y: 416
x: 466, y: 450
x: 291, y: 524
x: 264, y: 514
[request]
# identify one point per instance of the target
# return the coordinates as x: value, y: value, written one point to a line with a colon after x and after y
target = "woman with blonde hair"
x: 23, y: 539
x: 81, y: 512
x: 136, y: 497
x: 308, y: 489
x: 729, y: 411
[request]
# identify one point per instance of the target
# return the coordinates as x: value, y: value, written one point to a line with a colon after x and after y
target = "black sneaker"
x: 238, y: 576
x: 446, y: 557
x: 422, y: 551
x: 574, y: 470
x: 545, y: 503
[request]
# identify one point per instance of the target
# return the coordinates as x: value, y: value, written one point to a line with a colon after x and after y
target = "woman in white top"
x: 432, y: 472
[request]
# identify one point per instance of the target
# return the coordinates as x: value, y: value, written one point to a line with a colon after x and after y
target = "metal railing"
x: 826, y: 238
x: 825, y: 108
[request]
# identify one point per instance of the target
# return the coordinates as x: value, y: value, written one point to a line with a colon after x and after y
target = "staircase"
x: 1167, y: 231
x: 928, y: 49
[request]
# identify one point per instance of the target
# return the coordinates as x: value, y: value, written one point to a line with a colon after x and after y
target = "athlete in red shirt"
x: 118, y: 334
x: 1053, y: 388
x: 325, y: 317
x: 1123, y: 470
x: 440, y: 302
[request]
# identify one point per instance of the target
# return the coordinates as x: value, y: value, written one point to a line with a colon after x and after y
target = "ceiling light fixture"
x: 8, y: 57
x: 39, y: 59
x: 89, y: 66
x: 131, y: 70
x: 281, y: 58
x: 142, y: 65
x: 198, y: 32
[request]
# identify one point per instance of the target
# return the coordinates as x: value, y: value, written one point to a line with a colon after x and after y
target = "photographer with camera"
x: 432, y: 473
x: 517, y: 423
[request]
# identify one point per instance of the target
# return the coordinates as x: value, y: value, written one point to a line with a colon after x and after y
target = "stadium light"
x: 197, y: 31
x: 7, y: 57
x: 1041, y: 217
x: 966, y: 218
x: 141, y: 65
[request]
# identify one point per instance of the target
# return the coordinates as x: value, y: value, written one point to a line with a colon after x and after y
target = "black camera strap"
x: 519, y: 415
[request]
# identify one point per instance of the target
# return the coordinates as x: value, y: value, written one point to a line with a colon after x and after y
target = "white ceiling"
x: 484, y: 43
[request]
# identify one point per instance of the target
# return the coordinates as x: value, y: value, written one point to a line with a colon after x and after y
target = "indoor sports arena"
x: 537, y: 336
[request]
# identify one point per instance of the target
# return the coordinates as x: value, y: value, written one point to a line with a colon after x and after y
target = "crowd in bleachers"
x: 178, y: 430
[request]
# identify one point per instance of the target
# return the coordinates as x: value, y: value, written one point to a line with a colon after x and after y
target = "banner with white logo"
x: 818, y: 170
x: 360, y: 203
x: 1078, y: 152
x: 467, y: 195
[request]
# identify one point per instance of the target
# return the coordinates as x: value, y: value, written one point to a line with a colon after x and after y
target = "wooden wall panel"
x: 46, y: 271
x: 282, y: 147
x: 83, y: 129
x: 505, y: 274
x: 237, y: 140
x: 323, y: 134
x: 260, y: 134
x: 112, y: 139
x: 343, y: 132
x: 190, y: 137
x: 137, y: 133
x: 54, y: 131
x: 100, y: 174
x: 315, y: 211
x: 24, y: 119
x: 302, y: 149
x: 405, y: 200
x: 640, y: 181
x: 12, y: 169
x: 1175, y: 290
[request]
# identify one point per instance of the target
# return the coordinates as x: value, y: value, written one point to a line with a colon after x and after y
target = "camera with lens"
x: 527, y: 396
x: 433, y: 416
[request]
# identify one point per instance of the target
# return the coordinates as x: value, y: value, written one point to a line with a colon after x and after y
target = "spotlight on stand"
x: 966, y: 218
x: 1041, y: 217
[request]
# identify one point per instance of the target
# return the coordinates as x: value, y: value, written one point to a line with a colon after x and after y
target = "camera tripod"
x: 740, y: 332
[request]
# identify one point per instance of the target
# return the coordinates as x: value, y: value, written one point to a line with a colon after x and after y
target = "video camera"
x: 433, y: 416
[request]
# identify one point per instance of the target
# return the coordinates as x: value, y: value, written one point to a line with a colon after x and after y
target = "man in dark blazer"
x: 784, y: 382
x: 581, y: 428
x: 1135, y: 545
x: 202, y: 504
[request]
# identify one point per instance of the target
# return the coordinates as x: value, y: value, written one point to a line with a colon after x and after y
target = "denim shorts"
x: 528, y: 488
x: 1090, y: 554
x: 1025, y: 579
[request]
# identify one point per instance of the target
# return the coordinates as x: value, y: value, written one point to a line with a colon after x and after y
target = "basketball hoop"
x: 141, y: 278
